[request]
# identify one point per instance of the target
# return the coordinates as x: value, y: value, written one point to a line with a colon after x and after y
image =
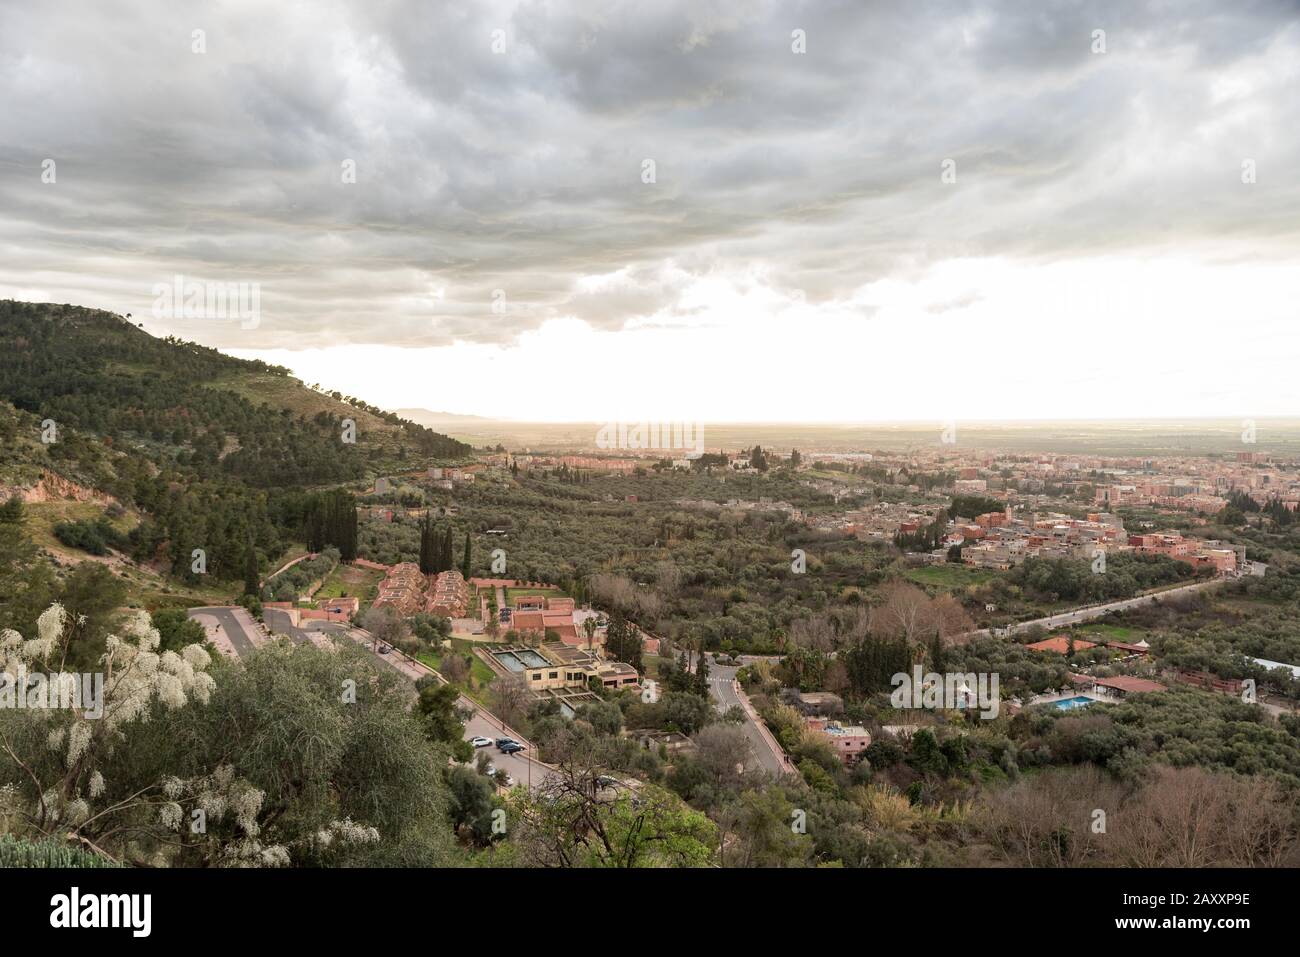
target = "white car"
x: 480, y: 741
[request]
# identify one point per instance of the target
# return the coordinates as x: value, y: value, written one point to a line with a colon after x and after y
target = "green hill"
x: 207, y: 450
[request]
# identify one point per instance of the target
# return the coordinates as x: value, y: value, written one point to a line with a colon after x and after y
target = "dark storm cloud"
x: 515, y: 177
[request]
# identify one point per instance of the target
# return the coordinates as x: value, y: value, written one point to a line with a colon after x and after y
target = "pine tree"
x: 465, y: 560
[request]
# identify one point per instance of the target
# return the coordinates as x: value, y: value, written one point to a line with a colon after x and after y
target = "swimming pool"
x: 1069, y: 704
x: 518, y: 660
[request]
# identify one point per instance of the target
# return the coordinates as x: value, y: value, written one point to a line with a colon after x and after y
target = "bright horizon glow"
x: 987, y: 339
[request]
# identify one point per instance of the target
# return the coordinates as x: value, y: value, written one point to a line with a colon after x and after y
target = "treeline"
x: 332, y: 520
x: 971, y: 506
x: 1124, y: 575
x: 95, y: 536
x: 436, y: 547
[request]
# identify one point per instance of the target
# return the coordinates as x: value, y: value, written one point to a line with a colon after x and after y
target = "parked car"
x: 511, y: 747
x: 506, y: 780
x: 490, y: 770
x: 502, y: 742
x: 480, y: 741
x: 384, y: 649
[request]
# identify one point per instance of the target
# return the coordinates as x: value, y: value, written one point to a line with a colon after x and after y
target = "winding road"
x: 725, y: 691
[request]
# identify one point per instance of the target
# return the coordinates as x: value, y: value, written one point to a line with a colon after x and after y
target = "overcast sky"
x: 941, y: 210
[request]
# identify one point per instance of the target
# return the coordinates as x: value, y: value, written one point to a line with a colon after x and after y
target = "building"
x: 408, y: 591
x: 847, y: 741
x: 1122, y: 686
x: 564, y: 673
x: 814, y: 702
x: 403, y: 590
x: 541, y: 614
x: 448, y: 595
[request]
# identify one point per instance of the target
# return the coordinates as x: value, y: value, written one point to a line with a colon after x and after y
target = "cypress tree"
x: 702, y: 674
x: 252, y: 583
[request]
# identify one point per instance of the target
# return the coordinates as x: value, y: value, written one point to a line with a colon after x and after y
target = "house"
x: 847, y: 741
x: 448, y: 595
x: 403, y: 589
x: 540, y: 614
x: 1123, y: 685
x: 559, y: 667
x: 813, y: 702
x: 1138, y: 648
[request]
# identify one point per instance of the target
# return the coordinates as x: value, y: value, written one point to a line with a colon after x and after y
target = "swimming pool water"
x: 1068, y: 704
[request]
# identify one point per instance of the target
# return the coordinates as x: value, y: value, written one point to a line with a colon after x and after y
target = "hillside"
x: 189, y: 447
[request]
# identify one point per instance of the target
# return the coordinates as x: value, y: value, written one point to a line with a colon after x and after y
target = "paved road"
x: 763, y: 749
x: 229, y: 628
x: 523, y: 767
x: 1077, y: 615
x: 235, y: 623
x: 313, y: 630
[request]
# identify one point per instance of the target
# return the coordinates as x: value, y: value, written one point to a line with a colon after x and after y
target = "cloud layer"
x: 500, y: 153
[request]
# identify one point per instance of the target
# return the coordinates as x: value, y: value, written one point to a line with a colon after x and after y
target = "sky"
x: 695, y: 211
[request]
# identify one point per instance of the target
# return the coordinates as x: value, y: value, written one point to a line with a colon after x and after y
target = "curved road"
x: 229, y: 628
x: 764, y: 749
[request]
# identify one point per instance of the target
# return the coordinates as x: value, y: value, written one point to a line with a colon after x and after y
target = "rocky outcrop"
x: 55, y: 488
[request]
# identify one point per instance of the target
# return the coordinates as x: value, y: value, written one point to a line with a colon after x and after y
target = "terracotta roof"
x: 1130, y: 685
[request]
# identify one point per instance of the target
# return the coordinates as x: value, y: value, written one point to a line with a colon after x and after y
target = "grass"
x: 480, y: 674
x: 1112, y: 632
x: 349, y: 581
x: 513, y: 593
x: 144, y: 587
x: 39, y: 518
x: 949, y: 575
x: 652, y: 664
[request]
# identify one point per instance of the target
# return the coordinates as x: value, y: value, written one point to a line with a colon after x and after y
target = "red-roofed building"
x: 1122, y: 685
x: 540, y: 614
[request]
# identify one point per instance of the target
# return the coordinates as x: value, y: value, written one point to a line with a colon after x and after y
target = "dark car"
x: 511, y: 747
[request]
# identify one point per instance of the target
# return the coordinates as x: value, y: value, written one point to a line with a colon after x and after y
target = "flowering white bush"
x: 137, y: 679
x: 159, y: 779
